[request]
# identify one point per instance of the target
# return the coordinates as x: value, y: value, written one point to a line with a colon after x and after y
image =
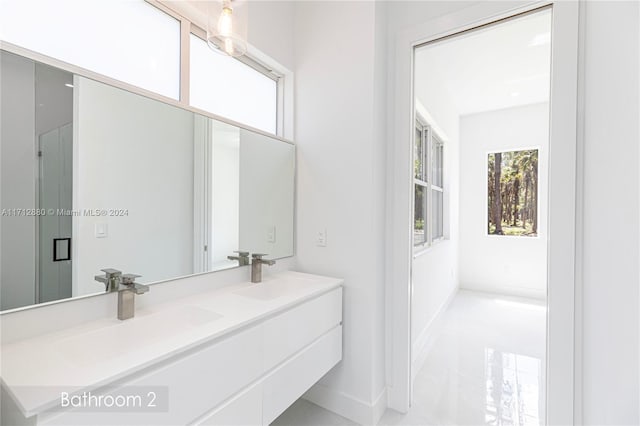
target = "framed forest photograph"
x: 512, y: 202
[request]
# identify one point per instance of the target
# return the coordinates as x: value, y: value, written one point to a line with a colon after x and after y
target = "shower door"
x: 54, y: 195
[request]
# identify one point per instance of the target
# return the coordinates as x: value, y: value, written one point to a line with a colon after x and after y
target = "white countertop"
x: 35, y: 371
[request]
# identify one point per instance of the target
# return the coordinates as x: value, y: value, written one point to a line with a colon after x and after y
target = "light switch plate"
x: 321, y: 238
x: 271, y: 234
x: 101, y: 230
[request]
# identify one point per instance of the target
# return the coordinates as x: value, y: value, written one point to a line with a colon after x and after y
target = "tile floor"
x: 485, y: 367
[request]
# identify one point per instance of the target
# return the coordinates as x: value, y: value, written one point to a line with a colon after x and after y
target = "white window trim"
x: 434, y: 187
x: 429, y: 133
x: 192, y: 21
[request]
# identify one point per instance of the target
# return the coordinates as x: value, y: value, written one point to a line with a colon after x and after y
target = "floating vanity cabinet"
x: 284, y: 338
x: 300, y: 346
x: 293, y: 378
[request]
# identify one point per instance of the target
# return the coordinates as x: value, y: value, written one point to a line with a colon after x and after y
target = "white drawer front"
x: 292, y: 330
x: 244, y: 409
x: 195, y: 383
x: 288, y: 382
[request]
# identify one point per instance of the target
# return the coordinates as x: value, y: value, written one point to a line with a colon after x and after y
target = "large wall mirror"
x: 97, y: 177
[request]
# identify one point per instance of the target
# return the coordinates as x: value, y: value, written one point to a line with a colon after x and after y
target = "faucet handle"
x: 242, y: 257
x: 109, y: 279
x: 129, y: 279
x: 257, y: 258
x: 129, y: 283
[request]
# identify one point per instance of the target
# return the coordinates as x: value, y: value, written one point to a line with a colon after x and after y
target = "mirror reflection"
x: 97, y: 177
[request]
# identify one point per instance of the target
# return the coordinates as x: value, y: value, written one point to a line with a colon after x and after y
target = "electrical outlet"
x: 271, y: 234
x: 321, y: 238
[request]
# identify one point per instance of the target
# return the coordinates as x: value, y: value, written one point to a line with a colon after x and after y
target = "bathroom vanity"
x: 240, y: 354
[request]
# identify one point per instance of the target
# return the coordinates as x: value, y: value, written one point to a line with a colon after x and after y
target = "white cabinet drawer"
x: 294, y: 329
x: 244, y: 409
x: 195, y: 383
x: 283, y: 386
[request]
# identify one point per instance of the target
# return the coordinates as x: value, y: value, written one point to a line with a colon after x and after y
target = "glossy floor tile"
x: 485, y: 366
x: 305, y: 413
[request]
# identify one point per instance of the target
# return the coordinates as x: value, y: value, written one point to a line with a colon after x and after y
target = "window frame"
x: 430, y: 139
x: 265, y: 65
x: 188, y: 27
x: 247, y: 60
x: 434, y: 142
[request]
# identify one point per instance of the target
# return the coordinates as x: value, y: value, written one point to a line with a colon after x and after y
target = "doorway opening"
x: 480, y: 223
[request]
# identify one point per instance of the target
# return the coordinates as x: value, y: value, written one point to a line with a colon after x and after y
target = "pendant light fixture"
x: 226, y: 27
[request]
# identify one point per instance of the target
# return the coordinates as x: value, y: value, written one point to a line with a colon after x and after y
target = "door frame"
x: 561, y: 254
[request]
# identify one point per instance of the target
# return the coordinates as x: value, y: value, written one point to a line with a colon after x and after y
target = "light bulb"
x: 221, y: 37
x: 228, y: 46
x: 225, y: 23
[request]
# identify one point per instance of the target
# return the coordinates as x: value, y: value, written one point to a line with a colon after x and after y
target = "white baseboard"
x: 355, y: 409
x: 420, y: 348
x: 515, y: 291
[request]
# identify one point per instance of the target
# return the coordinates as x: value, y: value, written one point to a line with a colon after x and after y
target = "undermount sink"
x: 269, y: 290
x: 122, y: 337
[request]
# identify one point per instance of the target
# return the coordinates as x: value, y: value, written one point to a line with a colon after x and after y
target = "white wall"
x: 501, y: 264
x: 225, y: 202
x: 341, y: 133
x: 340, y: 150
x: 131, y: 153
x: 270, y: 29
x: 266, y: 195
x: 18, y: 180
x: 435, y: 270
x: 610, y: 239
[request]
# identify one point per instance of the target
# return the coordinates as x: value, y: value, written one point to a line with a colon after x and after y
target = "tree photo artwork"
x: 512, y: 204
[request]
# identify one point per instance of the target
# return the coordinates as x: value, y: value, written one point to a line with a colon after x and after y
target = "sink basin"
x: 123, y: 337
x: 272, y: 289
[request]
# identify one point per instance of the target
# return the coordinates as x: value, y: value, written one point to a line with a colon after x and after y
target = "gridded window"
x: 227, y: 87
x: 420, y: 218
x: 436, y: 160
x: 437, y: 189
x: 421, y: 187
x: 428, y: 180
x: 437, y: 230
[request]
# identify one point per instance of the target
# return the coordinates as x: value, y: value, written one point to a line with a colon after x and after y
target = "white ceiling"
x: 500, y: 66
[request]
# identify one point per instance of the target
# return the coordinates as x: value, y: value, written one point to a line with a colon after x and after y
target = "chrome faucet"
x: 242, y: 257
x: 111, y: 279
x: 126, y: 295
x: 256, y: 266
